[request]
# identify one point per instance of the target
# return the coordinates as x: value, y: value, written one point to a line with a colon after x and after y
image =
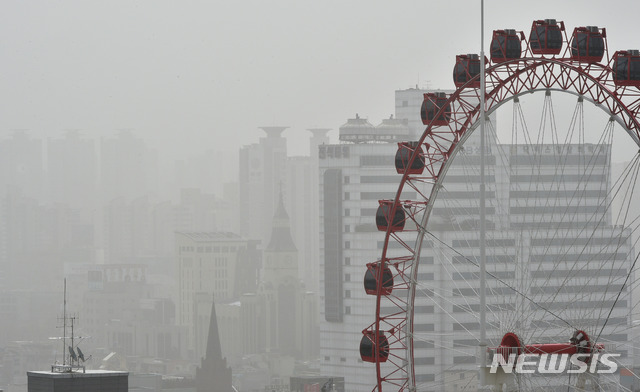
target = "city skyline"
x: 181, y: 76
x: 226, y: 173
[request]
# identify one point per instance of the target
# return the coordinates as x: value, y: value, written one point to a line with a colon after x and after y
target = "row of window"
x: 329, y: 151
x: 210, y: 249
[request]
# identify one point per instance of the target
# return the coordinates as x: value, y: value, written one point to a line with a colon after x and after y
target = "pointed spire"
x: 281, y: 212
x: 281, y: 239
x: 214, y: 350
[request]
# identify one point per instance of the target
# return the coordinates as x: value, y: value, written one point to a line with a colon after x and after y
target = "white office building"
x: 555, y: 255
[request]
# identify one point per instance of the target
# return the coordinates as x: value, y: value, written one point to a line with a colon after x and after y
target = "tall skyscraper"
x: 72, y: 173
x: 21, y: 166
x: 308, y: 227
x: 128, y: 168
x: 261, y: 176
x: 265, y: 171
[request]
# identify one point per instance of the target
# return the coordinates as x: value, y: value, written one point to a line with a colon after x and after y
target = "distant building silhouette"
x: 221, y: 264
x: 262, y: 169
x: 22, y: 166
x: 128, y: 168
x: 72, y: 170
x: 281, y: 316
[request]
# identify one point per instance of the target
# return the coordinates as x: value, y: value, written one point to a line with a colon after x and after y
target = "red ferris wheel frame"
x: 439, y: 144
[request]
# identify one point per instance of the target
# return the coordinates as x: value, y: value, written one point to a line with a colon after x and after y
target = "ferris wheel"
x: 561, y: 225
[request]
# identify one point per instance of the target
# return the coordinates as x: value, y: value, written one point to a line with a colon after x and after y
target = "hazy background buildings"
x: 133, y: 159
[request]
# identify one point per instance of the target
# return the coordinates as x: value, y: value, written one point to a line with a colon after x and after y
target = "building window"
x: 405, y: 104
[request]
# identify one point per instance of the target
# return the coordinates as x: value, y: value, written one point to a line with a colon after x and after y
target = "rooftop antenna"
x: 74, y: 360
x: 64, y: 324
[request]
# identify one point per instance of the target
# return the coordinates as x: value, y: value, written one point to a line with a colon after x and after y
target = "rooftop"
x: 210, y: 236
x: 87, y: 374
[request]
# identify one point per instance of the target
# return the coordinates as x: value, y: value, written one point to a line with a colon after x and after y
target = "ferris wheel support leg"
x: 594, y: 382
x: 498, y: 381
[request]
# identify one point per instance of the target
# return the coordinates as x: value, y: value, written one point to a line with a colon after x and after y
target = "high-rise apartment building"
x: 72, y: 172
x: 267, y: 171
x: 21, y: 166
x: 261, y: 176
x: 128, y: 168
x: 302, y: 207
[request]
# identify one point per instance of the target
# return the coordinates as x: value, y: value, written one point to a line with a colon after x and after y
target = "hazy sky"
x: 195, y: 74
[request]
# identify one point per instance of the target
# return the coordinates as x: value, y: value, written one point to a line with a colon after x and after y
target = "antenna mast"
x: 483, y: 299
x: 74, y: 360
x: 64, y: 325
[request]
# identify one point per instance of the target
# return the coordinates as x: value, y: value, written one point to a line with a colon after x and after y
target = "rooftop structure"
x: 91, y: 380
x: 360, y: 130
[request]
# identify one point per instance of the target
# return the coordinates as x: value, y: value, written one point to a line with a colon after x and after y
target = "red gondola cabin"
x: 587, y: 44
x: 546, y: 37
x: 431, y: 105
x: 626, y: 68
x: 383, y: 213
x: 506, y: 45
x: 467, y: 67
x: 403, y: 155
x: 369, y: 345
x: 370, y: 281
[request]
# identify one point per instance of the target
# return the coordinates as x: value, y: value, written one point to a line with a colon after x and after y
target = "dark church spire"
x: 214, y: 349
x: 213, y: 375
